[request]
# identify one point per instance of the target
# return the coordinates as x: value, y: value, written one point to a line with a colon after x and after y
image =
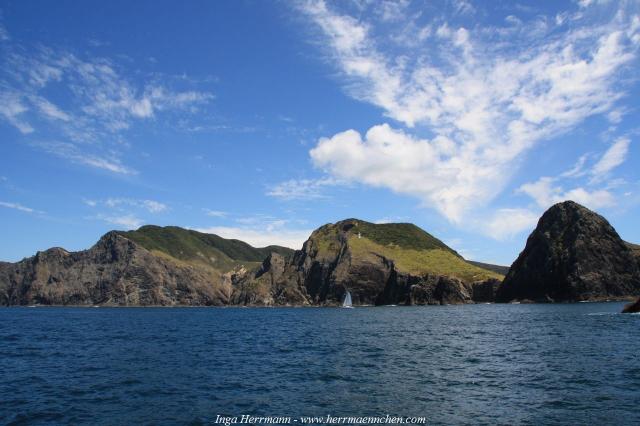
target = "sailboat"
x: 347, y: 300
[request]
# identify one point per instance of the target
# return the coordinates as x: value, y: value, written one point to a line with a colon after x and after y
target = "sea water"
x: 471, y: 364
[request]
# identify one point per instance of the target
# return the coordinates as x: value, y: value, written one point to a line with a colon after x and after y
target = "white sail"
x: 347, y: 300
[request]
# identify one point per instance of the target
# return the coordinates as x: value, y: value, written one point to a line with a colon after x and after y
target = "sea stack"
x: 574, y: 254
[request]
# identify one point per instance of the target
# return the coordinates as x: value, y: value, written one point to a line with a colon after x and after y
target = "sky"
x: 262, y: 120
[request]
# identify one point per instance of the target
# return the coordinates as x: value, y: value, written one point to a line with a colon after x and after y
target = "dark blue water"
x: 473, y: 364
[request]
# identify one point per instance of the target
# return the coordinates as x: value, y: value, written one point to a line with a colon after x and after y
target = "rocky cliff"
x: 573, y: 254
x: 177, y: 267
x: 378, y: 264
x: 382, y: 264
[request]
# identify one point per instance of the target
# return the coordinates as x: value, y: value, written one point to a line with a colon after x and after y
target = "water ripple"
x: 476, y: 364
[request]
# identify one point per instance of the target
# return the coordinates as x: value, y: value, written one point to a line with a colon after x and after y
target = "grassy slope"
x: 418, y: 262
x: 412, y: 249
x: 195, y: 248
x: 499, y: 269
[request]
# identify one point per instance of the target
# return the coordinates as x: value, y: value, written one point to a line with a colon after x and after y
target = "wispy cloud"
x: 19, y: 207
x: 508, y: 223
x: 150, y: 206
x: 125, y: 212
x: 262, y: 237
x: 595, y: 193
x: 302, y: 189
x: 127, y: 221
x: 546, y: 191
x: 611, y: 159
x: 11, y: 109
x: 215, y: 213
x: 101, y: 102
x: 487, y: 99
x: 75, y: 154
x: 262, y: 230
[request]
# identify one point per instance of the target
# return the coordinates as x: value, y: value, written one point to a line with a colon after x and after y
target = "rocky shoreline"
x: 573, y: 255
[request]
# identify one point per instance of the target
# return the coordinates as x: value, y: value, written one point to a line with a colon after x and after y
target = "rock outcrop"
x: 273, y: 284
x: 115, y: 271
x: 573, y: 254
x: 378, y: 264
x: 389, y: 264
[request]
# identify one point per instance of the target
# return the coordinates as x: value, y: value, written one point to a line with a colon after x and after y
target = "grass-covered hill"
x: 200, y: 249
x: 413, y: 250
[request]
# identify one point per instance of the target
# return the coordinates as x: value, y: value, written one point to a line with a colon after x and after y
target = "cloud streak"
x: 485, y: 100
x: 101, y: 102
x: 302, y: 189
x: 19, y: 207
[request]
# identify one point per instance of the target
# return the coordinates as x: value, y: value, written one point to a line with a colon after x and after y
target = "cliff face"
x: 573, y: 254
x: 381, y: 265
x: 274, y: 284
x: 378, y: 264
x: 115, y: 271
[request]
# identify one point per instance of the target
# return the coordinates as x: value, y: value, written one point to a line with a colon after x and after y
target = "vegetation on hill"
x: 499, y: 269
x: 436, y: 261
x: 413, y: 250
x: 197, y: 248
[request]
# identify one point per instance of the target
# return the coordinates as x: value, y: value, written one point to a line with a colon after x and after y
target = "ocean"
x: 543, y: 364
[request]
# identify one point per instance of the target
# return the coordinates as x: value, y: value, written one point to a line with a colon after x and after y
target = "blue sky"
x: 264, y: 120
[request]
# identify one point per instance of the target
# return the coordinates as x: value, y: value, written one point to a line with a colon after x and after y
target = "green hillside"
x: 499, y: 269
x: 412, y: 249
x: 197, y: 248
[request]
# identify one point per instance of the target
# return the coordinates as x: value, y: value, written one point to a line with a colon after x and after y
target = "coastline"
x: 598, y: 300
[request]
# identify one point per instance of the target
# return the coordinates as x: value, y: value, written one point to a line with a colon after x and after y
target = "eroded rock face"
x: 327, y: 268
x: 574, y: 254
x: 485, y: 291
x: 274, y: 284
x: 119, y: 270
x: 115, y: 271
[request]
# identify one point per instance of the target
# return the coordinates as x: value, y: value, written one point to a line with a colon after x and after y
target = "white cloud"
x: 612, y: 158
x: 485, y: 97
x: 215, y: 213
x: 50, y: 110
x: 262, y: 237
x: 550, y: 190
x: 19, y: 207
x: 615, y: 116
x: 463, y: 7
x: 578, y: 169
x: 125, y: 212
x: 391, y: 158
x: 507, y: 223
x: 150, y: 205
x: 392, y: 10
x: 101, y: 101
x: 301, y: 189
x: 154, y: 206
x: 74, y: 154
x: 127, y: 221
x: 546, y: 192
x: 11, y: 109
x: 262, y: 230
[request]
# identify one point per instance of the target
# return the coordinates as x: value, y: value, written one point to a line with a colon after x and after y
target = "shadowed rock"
x: 115, y: 271
x: 385, y: 264
x: 573, y: 254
